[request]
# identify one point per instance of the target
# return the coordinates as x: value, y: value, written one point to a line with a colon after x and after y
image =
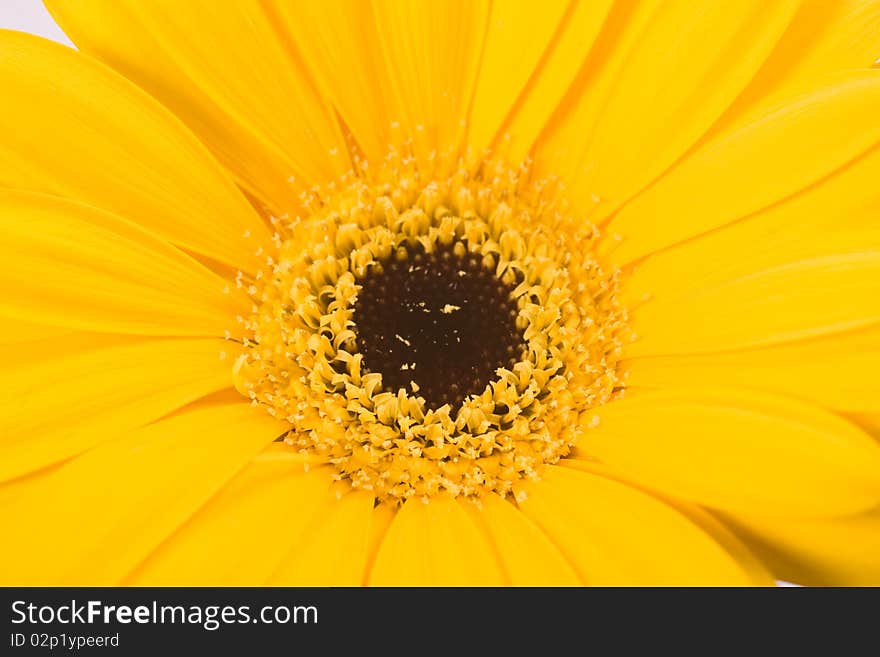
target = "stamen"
x: 426, y: 332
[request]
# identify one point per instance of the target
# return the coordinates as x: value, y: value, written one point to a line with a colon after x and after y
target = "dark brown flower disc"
x: 442, y: 321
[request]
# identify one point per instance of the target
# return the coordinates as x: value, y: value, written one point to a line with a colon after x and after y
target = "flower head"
x: 452, y: 293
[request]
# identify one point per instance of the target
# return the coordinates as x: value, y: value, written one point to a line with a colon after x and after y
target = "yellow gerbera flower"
x: 441, y: 292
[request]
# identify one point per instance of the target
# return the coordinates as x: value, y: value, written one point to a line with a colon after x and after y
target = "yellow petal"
x: 435, y: 543
x: 676, y: 77
x: 432, y: 52
x: 14, y: 332
x: 383, y: 515
x: 530, y: 60
x: 23, y: 343
x: 827, y: 215
x: 796, y: 293
x: 571, y: 126
x: 91, y: 521
x: 223, y: 69
x: 818, y: 552
x: 339, y: 44
x: 527, y: 556
x: 242, y: 534
x: 780, y: 148
x: 52, y: 409
x: 838, y: 371
x: 824, y: 37
x: 696, y: 514
x: 74, y: 266
x: 11, y: 490
x: 757, y: 571
x: 333, y: 551
x: 71, y: 127
x: 733, y: 449
x: 616, y: 535
x: 870, y: 422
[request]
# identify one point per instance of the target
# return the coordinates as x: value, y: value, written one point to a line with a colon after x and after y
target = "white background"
x: 29, y: 16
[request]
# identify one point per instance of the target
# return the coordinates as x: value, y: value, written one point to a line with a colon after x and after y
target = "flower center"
x: 425, y: 332
x: 439, y: 324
